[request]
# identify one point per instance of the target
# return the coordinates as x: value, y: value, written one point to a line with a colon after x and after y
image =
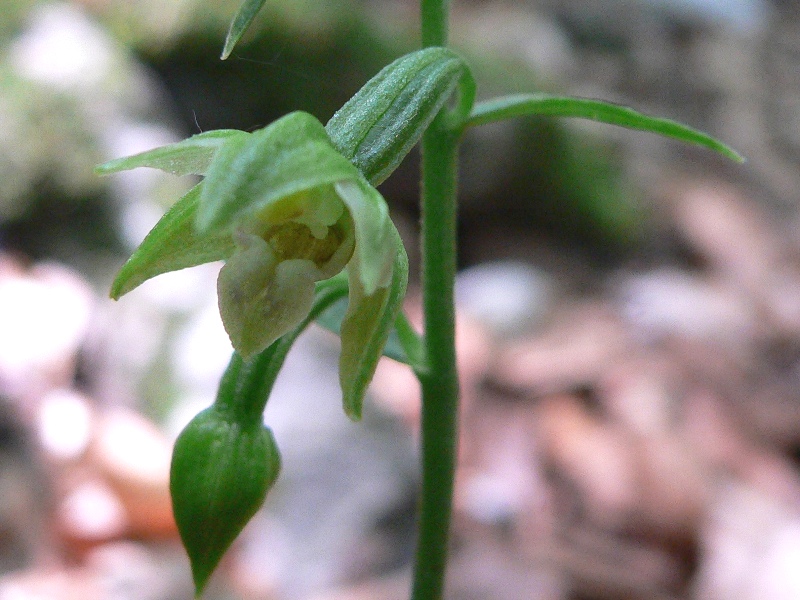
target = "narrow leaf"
x: 380, y: 124
x: 596, y: 110
x: 247, y: 12
x: 188, y: 157
x: 171, y: 245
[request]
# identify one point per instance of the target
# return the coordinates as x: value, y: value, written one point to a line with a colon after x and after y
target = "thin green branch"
x: 519, y: 105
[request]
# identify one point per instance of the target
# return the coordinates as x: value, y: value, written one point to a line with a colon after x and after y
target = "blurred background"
x: 629, y: 308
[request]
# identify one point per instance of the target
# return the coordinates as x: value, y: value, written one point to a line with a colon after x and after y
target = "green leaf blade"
x: 595, y: 110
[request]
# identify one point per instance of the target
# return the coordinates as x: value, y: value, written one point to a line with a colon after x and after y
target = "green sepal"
x: 518, y: 105
x: 291, y: 155
x: 188, y: 157
x: 365, y: 330
x: 171, y: 245
x: 244, y: 16
x: 379, y: 125
x: 222, y: 468
x: 332, y: 319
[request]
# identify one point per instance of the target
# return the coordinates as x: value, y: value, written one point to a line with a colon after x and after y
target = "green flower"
x: 284, y: 210
x: 267, y: 285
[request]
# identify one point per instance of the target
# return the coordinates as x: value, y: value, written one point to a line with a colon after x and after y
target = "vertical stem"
x: 435, y: 14
x: 440, y: 379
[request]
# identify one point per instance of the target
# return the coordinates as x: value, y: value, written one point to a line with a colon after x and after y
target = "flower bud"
x: 222, y: 468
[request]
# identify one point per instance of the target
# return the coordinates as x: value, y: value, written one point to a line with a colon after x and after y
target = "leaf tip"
x: 200, y: 577
x: 735, y: 156
x: 120, y: 286
x: 725, y: 151
x: 106, y: 168
x: 353, y: 411
x: 230, y: 43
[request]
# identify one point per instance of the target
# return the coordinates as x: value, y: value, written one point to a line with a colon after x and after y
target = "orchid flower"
x: 285, y: 210
x: 298, y: 213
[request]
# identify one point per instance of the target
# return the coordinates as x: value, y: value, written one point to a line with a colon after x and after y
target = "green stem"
x: 434, y: 15
x: 439, y: 379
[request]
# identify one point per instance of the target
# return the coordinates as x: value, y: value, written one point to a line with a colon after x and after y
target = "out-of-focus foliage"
x: 14, y: 15
x: 69, y: 97
x: 45, y: 145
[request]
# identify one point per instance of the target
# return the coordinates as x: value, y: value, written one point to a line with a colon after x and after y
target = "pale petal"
x: 261, y: 299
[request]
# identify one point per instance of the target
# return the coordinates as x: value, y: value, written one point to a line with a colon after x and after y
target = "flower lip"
x: 294, y: 240
x: 311, y: 225
x: 267, y: 285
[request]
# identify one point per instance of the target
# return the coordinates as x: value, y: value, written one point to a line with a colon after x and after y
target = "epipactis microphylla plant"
x: 293, y: 212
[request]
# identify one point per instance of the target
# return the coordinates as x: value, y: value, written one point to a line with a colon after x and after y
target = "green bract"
x: 380, y: 124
